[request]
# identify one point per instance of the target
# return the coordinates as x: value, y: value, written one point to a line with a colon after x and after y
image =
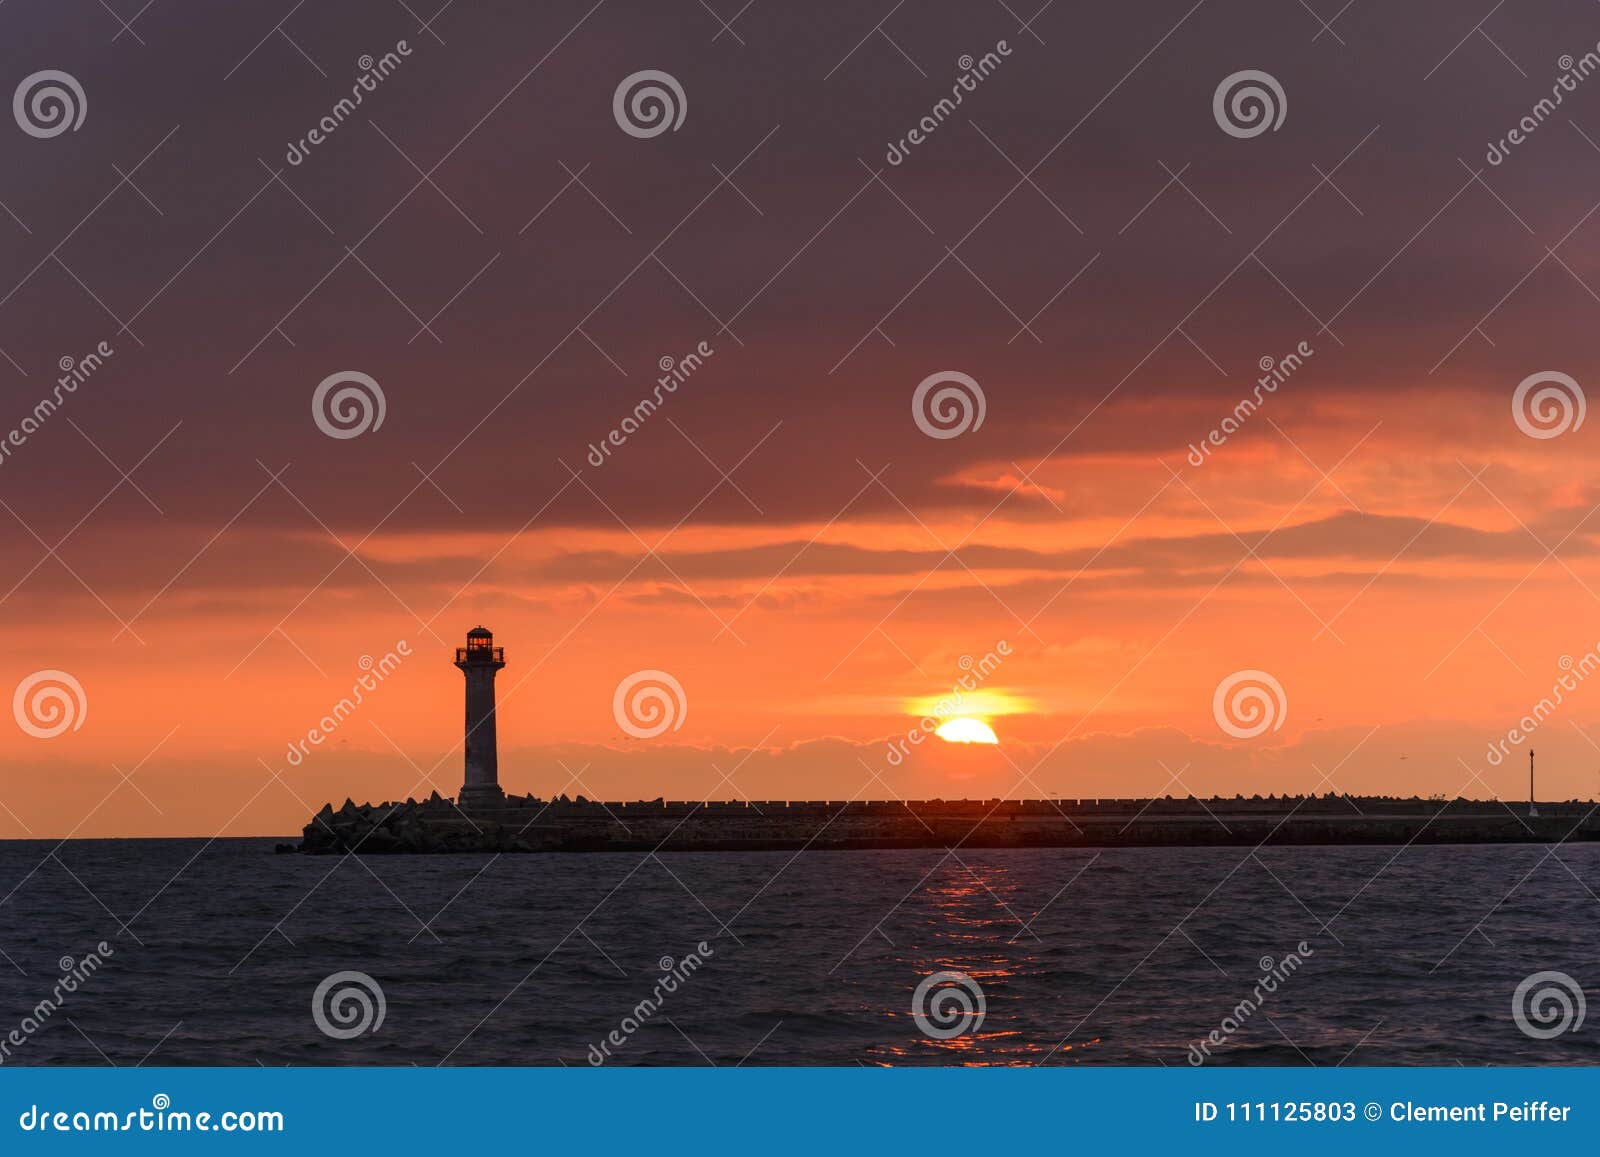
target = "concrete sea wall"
x: 527, y: 824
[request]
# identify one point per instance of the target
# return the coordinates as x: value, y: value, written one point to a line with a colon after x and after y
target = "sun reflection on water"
x: 969, y: 920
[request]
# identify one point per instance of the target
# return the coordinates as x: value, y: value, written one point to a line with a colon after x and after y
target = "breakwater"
x: 530, y: 824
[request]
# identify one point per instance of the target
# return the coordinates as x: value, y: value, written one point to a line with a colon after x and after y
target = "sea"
x: 221, y: 952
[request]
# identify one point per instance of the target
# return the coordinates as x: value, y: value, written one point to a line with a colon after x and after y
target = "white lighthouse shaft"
x: 482, y: 756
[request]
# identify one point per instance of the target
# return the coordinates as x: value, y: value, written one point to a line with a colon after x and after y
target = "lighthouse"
x: 480, y: 660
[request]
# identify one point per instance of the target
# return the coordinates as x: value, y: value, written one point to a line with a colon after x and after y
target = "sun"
x: 966, y: 730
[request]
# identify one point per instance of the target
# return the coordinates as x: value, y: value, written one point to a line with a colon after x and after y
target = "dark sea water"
x: 1098, y: 958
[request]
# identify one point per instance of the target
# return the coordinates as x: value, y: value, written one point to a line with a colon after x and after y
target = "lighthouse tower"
x: 479, y: 661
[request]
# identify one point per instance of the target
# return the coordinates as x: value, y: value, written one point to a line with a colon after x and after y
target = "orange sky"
x: 1121, y: 613
x: 1086, y: 242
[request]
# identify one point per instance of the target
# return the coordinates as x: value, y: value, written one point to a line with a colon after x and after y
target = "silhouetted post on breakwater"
x: 1532, y: 811
x: 480, y: 660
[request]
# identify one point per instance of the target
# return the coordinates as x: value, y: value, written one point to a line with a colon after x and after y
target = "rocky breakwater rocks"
x: 434, y: 825
x: 530, y: 824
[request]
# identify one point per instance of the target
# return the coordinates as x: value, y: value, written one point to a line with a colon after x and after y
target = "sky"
x: 1393, y: 542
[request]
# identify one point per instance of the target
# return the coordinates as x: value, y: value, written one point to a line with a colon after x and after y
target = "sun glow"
x: 983, y: 702
x: 966, y: 730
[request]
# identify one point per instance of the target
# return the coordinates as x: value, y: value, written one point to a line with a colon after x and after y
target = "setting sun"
x: 966, y: 730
